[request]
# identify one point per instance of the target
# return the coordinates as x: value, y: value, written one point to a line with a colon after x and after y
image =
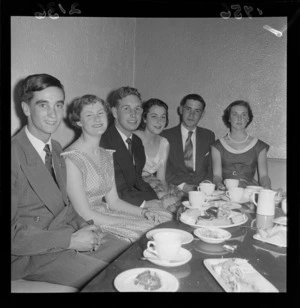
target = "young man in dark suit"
x: 129, y: 158
x: 50, y: 242
x: 189, y: 160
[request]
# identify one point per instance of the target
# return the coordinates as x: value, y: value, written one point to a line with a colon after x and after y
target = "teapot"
x: 266, y: 201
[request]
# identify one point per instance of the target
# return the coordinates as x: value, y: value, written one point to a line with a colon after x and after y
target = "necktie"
x: 188, y: 153
x: 129, y: 141
x: 48, y: 161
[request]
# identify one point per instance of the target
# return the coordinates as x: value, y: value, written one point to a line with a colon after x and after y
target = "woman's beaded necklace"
x: 228, y: 134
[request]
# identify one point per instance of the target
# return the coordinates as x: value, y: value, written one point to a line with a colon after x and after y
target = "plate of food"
x: 146, y: 280
x: 225, y: 204
x: 218, y: 193
x: 214, y: 217
x: 237, y: 275
x: 185, y: 236
x: 243, y: 200
x: 212, y: 235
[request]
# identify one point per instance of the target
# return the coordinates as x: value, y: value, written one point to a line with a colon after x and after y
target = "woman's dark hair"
x: 146, y: 107
x: 226, y: 114
x: 78, y: 103
x: 37, y: 82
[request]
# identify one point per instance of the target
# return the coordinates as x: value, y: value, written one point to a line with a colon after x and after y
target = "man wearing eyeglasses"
x: 189, y: 160
x: 129, y: 158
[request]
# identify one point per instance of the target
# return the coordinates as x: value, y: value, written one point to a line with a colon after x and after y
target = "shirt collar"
x: 185, y: 131
x: 37, y: 143
x: 124, y: 137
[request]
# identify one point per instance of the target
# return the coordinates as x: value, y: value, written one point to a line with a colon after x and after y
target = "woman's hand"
x: 150, y: 215
x: 220, y: 186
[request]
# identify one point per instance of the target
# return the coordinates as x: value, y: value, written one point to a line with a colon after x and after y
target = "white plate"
x: 185, y: 236
x: 281, y: 220
x: 275, y: 254
x: 124, y: 282
x: 192, y: 224
x: 251, y: 276
x: 201, y: 233
x: 277, y: 238
x: 183, y: 257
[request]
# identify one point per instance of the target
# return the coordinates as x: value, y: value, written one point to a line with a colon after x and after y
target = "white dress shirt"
x: 38, y: 144
x: 124, y: 137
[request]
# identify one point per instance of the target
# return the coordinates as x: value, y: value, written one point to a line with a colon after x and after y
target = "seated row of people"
x: 74, y: 211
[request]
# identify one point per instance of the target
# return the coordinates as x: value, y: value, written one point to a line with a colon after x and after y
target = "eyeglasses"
x: 127, y: 109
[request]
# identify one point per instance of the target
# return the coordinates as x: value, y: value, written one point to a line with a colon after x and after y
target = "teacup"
x: 197, y: 199
x: 235, y: 194
x: 207, y: 188
x: 166, y: 245
x: 231, y: 183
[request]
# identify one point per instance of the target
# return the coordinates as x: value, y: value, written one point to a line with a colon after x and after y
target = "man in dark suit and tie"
x: 129, y: 158
x: 50, y: 242
x: 189, y: 160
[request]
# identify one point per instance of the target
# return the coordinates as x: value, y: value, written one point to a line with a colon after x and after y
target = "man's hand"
x: 87, y: 238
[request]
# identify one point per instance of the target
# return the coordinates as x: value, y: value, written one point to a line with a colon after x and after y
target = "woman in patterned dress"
x: 237, y: 155
x: 154, y: 120
x: 90, y: 176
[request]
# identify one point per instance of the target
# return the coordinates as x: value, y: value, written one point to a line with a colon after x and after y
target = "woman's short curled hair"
x: 146, y: 107
x: 78, y: 103
x: 226, y: 114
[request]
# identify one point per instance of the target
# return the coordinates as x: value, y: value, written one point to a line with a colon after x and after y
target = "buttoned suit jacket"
x: 176, y: 171
x: 128, y: 176
x: 42, y: 218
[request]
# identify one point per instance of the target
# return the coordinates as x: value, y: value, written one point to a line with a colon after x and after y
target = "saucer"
x: 183, y: 257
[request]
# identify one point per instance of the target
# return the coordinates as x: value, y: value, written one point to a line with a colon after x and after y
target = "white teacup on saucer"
x: 182, y: 257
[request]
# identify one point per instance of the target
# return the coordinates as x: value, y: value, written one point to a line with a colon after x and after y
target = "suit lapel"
x: 39, y: 177
x: 139, y: 155
x: 199, y: 149
x: 60, y: 171
x: 122, y: 155
x: 178, y: 149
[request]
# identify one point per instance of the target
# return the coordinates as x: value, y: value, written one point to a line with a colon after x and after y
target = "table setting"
x: 211, y: 247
